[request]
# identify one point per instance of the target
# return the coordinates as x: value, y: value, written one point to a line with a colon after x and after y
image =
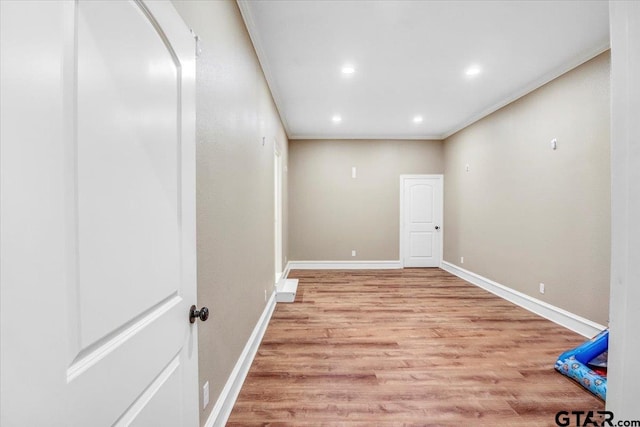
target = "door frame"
x: 403, y: 178
x: 277, y: 188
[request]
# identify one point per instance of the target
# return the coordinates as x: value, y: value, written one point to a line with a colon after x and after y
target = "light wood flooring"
x: 406, y: 347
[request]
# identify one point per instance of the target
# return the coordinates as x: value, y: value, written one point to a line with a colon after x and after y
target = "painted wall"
x: 331, y: 213
x: 235, y: 187
x: 525, y: 213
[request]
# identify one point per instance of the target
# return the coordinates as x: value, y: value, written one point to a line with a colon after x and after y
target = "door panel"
x: 421, y: 244
x: 149, y: 408
x: 127, y: 168
x: 421, y: 222
x: 421, y: 203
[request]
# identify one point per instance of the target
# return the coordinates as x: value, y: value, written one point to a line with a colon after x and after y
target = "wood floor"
x: 406, y: 347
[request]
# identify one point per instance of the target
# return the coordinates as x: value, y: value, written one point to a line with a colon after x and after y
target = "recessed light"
x: 473, y: 70
x: 336, y: 119
x: 417, y: 119
x: 348, y: 70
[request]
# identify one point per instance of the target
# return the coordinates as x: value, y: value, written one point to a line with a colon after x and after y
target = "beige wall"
x: 331, y: 213
x: 235, y: 190
x: 526, y: 214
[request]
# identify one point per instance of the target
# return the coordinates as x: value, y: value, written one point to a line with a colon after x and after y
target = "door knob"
x: 437, y: 227
x: 202, y: 314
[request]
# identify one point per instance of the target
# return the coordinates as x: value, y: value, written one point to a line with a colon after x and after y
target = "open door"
x: 98, y: 267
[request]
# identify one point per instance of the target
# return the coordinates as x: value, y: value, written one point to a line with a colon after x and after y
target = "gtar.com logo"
x: 591, y: 418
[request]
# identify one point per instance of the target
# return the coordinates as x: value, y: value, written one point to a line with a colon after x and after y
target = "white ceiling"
x: 410, y: 59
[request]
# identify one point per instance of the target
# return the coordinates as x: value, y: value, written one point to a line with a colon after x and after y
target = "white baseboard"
x: 287, y: 269
x: 343, y: 265
x: 224, y: 405
x: 584, y: 327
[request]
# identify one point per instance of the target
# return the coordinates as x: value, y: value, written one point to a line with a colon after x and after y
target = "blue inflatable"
x: 574, y: 364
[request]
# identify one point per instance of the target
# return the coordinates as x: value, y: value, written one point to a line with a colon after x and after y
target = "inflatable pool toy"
x: 575, y: 364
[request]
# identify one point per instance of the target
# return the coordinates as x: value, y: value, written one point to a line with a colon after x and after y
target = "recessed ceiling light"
x: 336, y: 119
x: 417, y: 119
x: 473, y: 70
x: 348, y: 70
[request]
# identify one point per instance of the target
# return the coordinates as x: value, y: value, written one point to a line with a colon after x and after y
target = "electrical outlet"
x: 353, y: 172
x: 353, y: 252
x: 467, y: 167
x: 265, y: 295
x: 461, y: 260
x: 205, y: 395
x: 542, y: 288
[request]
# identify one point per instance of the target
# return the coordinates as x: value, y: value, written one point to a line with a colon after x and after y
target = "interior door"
x: 421, y: 221
x: 98, y: 215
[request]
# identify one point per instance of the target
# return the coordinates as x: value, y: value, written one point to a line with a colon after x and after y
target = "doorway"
x: 421, y: 202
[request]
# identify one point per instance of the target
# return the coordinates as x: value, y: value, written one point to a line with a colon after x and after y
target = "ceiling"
x: 410, y: 60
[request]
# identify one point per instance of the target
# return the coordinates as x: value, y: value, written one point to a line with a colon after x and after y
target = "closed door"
x: 98, y: 257
x: 421, y: 221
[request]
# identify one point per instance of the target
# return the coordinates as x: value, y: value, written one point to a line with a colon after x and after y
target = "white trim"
x: 287, y: 269
x: 277, y: 211
x: 584, y: 327
x: 286, y: 290
x: 224, y: 405
x: 342, y: 265
x: 374, y: 136
x: 401, y: 216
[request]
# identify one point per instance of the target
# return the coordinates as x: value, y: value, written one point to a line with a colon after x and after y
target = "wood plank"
x: 406, y: 347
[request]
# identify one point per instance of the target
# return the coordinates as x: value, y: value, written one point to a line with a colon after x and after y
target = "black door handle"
x: 194, y: 313
x: 437, y: 227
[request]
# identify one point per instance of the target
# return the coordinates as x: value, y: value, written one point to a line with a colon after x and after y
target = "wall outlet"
x: 467, y: 167
x: 265, y: 295
x: 205, y: 395
x: 542, y: 288
x: 461, y: 260
x: 353, y: 252
x: 353, y: 172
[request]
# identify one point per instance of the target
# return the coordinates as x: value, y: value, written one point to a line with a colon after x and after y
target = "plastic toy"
x: 576, y: 364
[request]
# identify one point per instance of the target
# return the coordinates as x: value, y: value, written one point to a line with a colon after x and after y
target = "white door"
x: 421, y: 220
x: 98, y: 215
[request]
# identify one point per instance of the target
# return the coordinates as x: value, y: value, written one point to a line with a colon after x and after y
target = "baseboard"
x: 224, y: 405
x: 584, y: 327
x: 343, y: 265
x: 287, y: 269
